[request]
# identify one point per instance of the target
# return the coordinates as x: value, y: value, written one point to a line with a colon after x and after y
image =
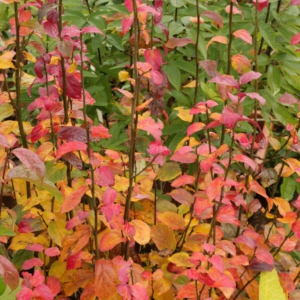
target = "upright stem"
x: 230, y: 38
x: 89, y: 152
x: 133, y: 122
x: 63, y: 69
x: 196, y: 52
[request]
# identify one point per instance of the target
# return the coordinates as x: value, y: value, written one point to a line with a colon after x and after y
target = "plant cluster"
x: 150, y: 150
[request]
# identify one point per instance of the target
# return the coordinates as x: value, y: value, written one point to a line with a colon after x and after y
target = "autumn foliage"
x: 150, y: 150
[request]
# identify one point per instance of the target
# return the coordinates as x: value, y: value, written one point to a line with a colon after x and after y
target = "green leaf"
x: 6, y: 231
x: 186, y: 66
x: 267, y: 33
x: 282, y: 114
x: 274, y: 79
x: 20, y: 257
x: 177, y: 3
x: 287, y: 188
x: 116, y: 41
x: 174, y: 75
x: 2, y: 286
x: 269, y: 286
x: 11, y: 295
x: 56, y: 171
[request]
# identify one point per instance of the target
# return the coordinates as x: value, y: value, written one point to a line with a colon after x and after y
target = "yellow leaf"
x: 123, y: 75
x: 146, y: 213
x: 191, y: 84
x: 181, y: 143
x: 163, y: 237
x: 283, y: 205
x: 181, y: 259
x: 172, y: 219
x: 274, y: 143
x: 6, y: 110
x: 241, y: 63
x: 6, y: 63
x: 26, y: 80
x: 184, y: 114
x: 72, y: 67
x: 21, y: 241
x: 29, y: 56
x: 269, y: 286
x: 57, y: 269
x: 57, y: 231
x: 142, y: 232
x: 162, y: 286
x: 202, y: 228
x: 121, y: 183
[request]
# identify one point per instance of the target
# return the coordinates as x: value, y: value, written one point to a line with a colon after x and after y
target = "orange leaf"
x: 219, y: 39
x: 244, y: 35
x: 110, y: 240
x: 142, y: 232
x: 173, y: 220
x: 241, y: 63
x: 163, y: 237
x: 73, y: 199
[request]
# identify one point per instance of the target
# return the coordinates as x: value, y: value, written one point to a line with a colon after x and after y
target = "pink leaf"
x: 219, y: 39
x: 295, y: 39
x: 149, y: 125
x: 244, y: 35
x: 139, y: 291
x: 51, y: 29
x: 210, y: 67
x: 213, y: 16
x: 104, y: 176
x: 288, y: 99
x: 9, y: 273
x: 249, y: 76
x: 183, y: 180
x: 182, y: 196
x: 154, y: 58
x: 71, y: 31
x: 178, y: 42
x: 217, y: 262
x: 226, y: 80
x: 70, y: 147
x: 31, y: 161
x: 256, y: 96
x: 91, y: 29
x: 261, y: 4
x: 229, y: 118
x: 124, y: 92
x: 54, y: 251
x: 35, y: 247
x: 32, y: 262
x: 264, y: 255
x: 156, y: 148
x: 3, y: 141
x: 126, y: 24
x: 25, y: 294
x: 184, y: 155
x: 54, y: 285
x: 44, y: 292
x: 295, y: 2
x: 197, y: 126
x: 100, y: 132
x: 109, y: 196
x: 156, y: 77
x: 245, y: 159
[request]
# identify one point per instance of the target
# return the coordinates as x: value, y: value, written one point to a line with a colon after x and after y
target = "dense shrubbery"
x: 150, y: 150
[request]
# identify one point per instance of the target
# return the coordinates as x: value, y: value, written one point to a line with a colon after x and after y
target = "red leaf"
x: 264, y: 255
x: 126, y: 23
x: 226, y: 80
x: 104, y: 176
x: 244, y: 35
x: 151, y: 127
x: 54, y: 285
x: 71, y: 31
x: 261, y: 4
x: 43, y: 292
x: 227, y: 214
x: 9, y: 273
x: 25, y: 293
x: 72, y: 133
x: 32, y: 262
x: 217, y: 262
x: 3, y: 141
x: 197, y: 126
x: 31, y: 161
x: 245, y: 159
x: 214, y: 16
x: 73, y: 86
x: 230, y: 118
x: 214, y: 188
x: 110, y: 240
x: 154, y: 58
x: 91, y: 29
x: 178, y: 42
x: 156, y: 77
x: 203, y: 209
x: 35, y: 247
x: 70, y: 147
x: 184, y: 155
x: 100, y: 132
x: 183, y: 180
x: 51, y: 29
x: 295, y: 39
x: 182, y: 196
x: 296, y: 228
x: 109, y: 196
x: 245, y: 78
x: 53, y: 251
x: 73, y: 199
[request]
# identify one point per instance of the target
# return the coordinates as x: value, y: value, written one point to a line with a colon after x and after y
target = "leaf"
x: 183, y: 180
x: 73, y: 199
x: 178, y: 42
x: 244, y: 35
x: 104, y: 176
x: 31, y: 263
x: 241, y: 63
x: 154, y: 58
x: 184, y: 114
x: 174, y: 75
x: 169, y: 171
x: 152, y: 127
x: 295, y: 39
x: 72, y: 133
x: 6, y: 63
x: 226, y: 80
x: 6, y: 231
x: 227, y: 214
x: 214, y: 16
x: 181, y: 259
x: 106, y: 279
x: 219, y: 39
x: 31, y: 161
x: 21, y: 172
x: 123, y: 75
x: 182, y: 196
x: 269, y: 286
x: 57, y: 231
x: 249, y: 77
x: 172, y: 219
x: 267, y: 33
x: 91, y: 29
x: 53, y: 251
x: 195, y: 127
x: 142, y: 232
x: 111, y: 239
x: 9, y: 273
x: 163, y: 237
x: 70, y: 147
x: 6, y: 110
x: 245, y: 159
x: 185, y: 154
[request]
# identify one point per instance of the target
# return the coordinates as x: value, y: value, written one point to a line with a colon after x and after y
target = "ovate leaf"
x: 269, y: 286
x: 9, y: 273
x: 6, y: 110
x: 169, y: 171
x: 163, y: 237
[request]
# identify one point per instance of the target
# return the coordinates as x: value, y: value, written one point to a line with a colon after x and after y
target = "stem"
x: 63, y: 70
x: 94, y: 205
x: 133, y: 123
x: 230, y: 38
x: 196, y: 51
x: 3, y: 176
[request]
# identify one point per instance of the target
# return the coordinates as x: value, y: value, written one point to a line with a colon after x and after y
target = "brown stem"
x: 196, y: 52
